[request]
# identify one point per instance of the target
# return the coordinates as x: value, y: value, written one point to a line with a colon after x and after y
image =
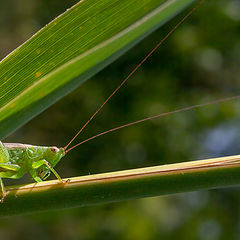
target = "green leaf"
x: 71, y: 49
x: 122, y: 185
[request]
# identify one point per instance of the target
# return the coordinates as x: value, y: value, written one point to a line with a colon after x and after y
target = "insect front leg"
x: 40, y: 163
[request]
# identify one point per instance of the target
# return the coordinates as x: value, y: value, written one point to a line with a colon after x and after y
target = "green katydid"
x: 18, y: 159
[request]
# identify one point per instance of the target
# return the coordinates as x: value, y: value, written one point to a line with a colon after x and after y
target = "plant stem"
x: 122, y: 185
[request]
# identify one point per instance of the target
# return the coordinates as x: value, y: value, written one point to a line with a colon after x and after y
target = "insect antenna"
x: 156, y: 116
x: 134, y: 70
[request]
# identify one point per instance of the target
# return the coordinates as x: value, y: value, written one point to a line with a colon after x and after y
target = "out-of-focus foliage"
x: 200, y: 62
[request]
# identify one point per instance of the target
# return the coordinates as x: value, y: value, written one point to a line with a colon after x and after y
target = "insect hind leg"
x: 7, y: 171
x: 3, y: 190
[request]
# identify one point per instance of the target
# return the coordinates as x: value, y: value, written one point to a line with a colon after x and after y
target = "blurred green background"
x: 199, y: 63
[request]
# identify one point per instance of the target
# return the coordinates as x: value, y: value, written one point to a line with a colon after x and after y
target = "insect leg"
x: 3, y: 190
x: 7, y: 166
x: 37, y: 179
x: 53, y: 171
x: 8, y: 171
x: 44, y: 162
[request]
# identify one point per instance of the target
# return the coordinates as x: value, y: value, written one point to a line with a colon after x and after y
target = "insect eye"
x: 54, y: 149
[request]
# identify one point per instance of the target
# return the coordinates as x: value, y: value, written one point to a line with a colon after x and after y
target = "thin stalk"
x: 122, y: 185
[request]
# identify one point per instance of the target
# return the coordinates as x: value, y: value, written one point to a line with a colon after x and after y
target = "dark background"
x: 199, y: 63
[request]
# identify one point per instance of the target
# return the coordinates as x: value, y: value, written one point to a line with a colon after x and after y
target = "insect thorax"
x: 26, y: 155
